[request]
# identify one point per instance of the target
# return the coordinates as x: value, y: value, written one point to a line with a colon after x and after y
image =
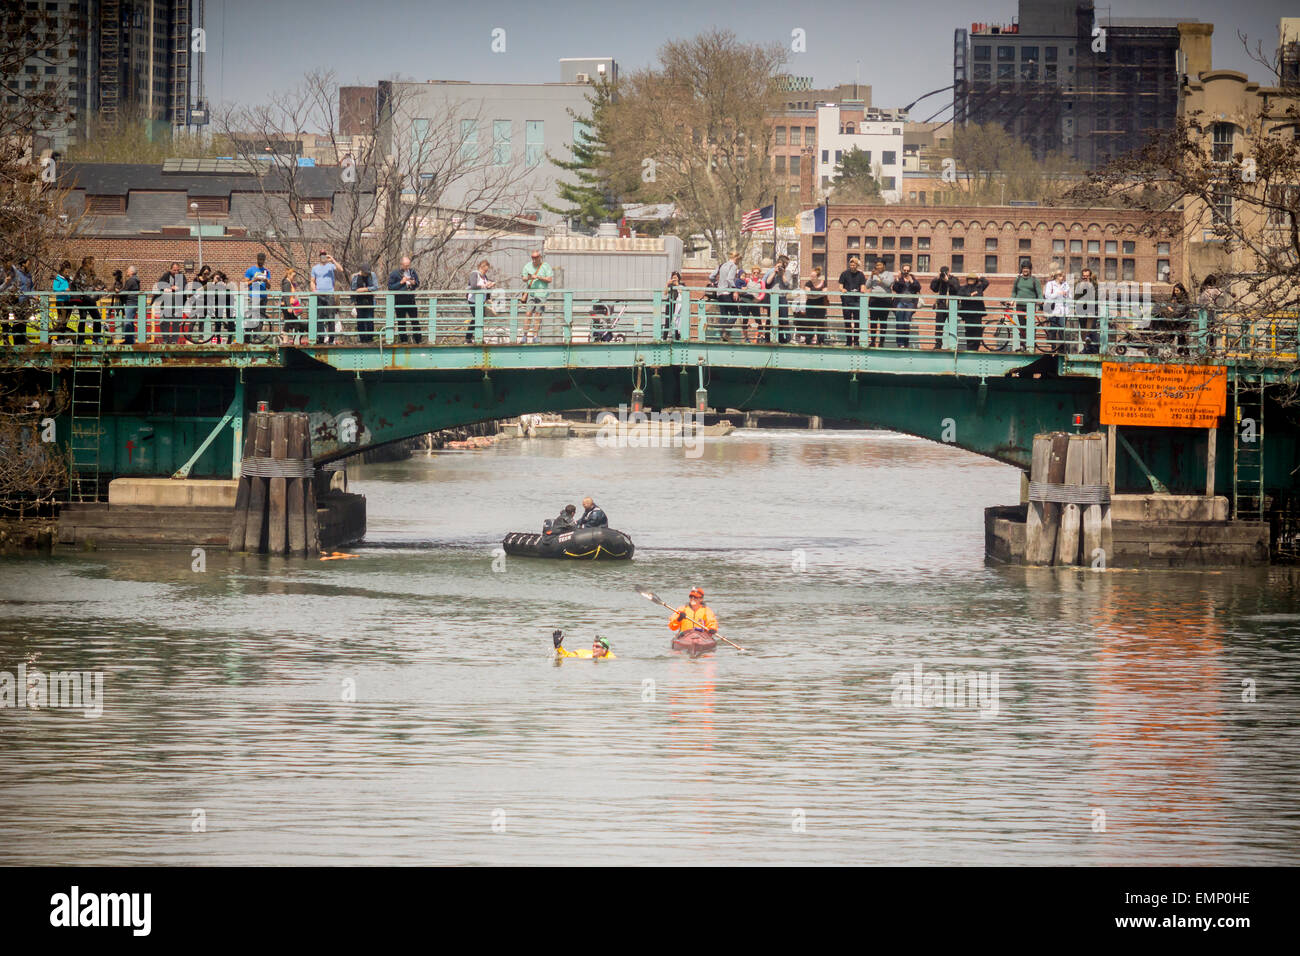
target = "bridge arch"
x: 996, y: 419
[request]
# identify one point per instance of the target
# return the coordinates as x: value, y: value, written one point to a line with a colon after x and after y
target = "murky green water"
x: 839, y: 559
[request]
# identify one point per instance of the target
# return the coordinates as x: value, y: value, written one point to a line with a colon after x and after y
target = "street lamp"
x: 194, y: 208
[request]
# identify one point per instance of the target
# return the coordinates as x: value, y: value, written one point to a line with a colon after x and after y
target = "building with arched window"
x: 1232, y: 115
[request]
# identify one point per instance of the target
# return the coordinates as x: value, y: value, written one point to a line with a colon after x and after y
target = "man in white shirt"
x: 479, y: 284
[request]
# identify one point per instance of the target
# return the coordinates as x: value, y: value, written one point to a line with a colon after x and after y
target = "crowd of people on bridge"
x: 872, y: 303
x: 201, y: 305
x: 876, y: 307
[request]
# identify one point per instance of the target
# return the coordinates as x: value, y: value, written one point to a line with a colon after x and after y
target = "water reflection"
x: 837, y: 558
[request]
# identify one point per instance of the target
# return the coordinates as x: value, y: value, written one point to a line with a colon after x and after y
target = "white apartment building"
x: 500, y: 131
x: 881, y: 140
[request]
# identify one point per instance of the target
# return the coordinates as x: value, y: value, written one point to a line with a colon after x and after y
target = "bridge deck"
x: 441, y: 330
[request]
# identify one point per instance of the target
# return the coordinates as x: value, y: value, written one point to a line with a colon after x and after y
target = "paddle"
x: 651, y: 596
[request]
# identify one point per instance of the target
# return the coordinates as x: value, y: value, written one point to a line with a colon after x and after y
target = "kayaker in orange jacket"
x: 694, y: 616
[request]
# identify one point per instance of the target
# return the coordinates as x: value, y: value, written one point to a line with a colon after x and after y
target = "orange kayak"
x: 694, y: 643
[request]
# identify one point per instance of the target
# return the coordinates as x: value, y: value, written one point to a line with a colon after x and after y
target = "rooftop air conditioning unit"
x: 584, y: 78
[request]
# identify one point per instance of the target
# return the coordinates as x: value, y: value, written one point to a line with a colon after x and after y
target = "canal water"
x: 403, y: 706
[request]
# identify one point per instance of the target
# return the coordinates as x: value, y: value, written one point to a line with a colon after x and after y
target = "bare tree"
x: 1247, y: 198
x: 1239, y: 202
x: 32, y: 225
x: 126, y: 139
x: 414, y: 189
x: 32, y: 470
x: 997, y: 167
x: 695, y: 130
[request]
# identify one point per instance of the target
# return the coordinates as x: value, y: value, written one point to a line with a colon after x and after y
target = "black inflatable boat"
x: 581, y: 543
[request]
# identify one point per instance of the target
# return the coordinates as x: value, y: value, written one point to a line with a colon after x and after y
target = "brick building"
x: 152, y: 255
x: 1230, y: 108
x: 1119, y: 245
x: 358, y: 110
x: 140, y: 198
x: 794, y: 139
x: 144, y: 215
x: 797, y: 93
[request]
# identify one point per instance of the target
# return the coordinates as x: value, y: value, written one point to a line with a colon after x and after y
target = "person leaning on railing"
x: 258, y: 278
x: 9, y: 317
x: 480, y: 287
x: 1211, y: 299
x: 405, y: 280
x: 62, y: 302
x: 324, y: 275
x: 815, y: 308
x: 1057, y: 298
x: 364, y: 285
x: 130, y: 304
x: 971, y: 310
x: 880, y: 302
x: 1085, y: 308
x: 906, y: 290
x: 674, y: 306
x: 223, y: 308
x: 1174, y: 315
x: 774, y: 280
x: 85, y: 281
x: 1025, y: 289
x: 110, y: 307
x: 293, y: 326
x: 538, y: 278
x: 753, y: 307
x: 196, y: 299
x: 944, y: 287
x: 726, y: 282
x: 29, y: 302
x: 852, y: 281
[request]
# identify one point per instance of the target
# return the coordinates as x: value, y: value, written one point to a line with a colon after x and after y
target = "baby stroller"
x: 604, y: 322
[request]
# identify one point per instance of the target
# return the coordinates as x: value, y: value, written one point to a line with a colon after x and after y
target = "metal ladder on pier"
x: 87, y: 428
x: 1247, y: 447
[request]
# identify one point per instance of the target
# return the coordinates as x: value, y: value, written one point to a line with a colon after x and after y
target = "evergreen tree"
x: 854, y: 181
x: 590, y: 197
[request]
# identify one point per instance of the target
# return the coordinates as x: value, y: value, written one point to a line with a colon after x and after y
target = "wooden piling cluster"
x: 1068, y: 521
x: 275, y: 503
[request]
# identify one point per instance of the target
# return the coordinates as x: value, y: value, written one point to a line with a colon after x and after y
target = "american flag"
x: 759, y: 220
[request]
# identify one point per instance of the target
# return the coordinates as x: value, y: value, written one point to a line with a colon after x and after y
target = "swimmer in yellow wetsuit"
x: 599, y: 648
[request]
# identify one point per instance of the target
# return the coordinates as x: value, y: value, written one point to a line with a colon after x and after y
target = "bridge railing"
x: 216, y: 316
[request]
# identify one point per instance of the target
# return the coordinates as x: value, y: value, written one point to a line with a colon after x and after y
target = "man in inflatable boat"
x: 561, y: 522
x: 599, y: 648
x: 592, y: 516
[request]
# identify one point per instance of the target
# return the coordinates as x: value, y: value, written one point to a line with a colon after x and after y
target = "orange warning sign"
x: 1178, y: 396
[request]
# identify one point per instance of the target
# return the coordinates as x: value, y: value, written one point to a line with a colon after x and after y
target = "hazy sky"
x: 901, y: 49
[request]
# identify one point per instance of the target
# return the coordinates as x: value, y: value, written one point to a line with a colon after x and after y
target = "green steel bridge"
x: 163, y: 388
